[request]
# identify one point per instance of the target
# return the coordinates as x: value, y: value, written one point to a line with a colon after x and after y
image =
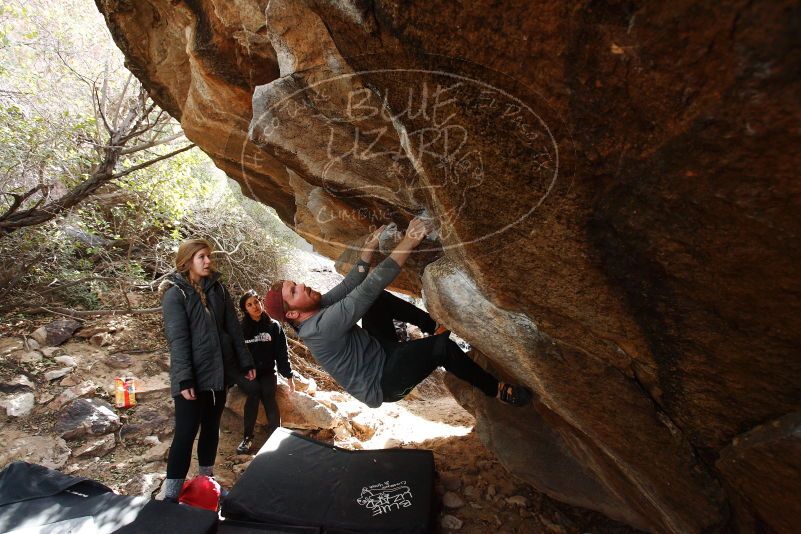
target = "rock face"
x: 615, y: 202
x: 768, y: 452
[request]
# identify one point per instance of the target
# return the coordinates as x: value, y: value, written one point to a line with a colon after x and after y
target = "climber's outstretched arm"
x: 415, y: 233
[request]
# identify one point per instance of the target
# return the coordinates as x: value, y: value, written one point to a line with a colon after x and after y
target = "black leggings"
x: 203, y: 413
x: 262, y: 387
x: 410, y: 362
x: 378, y: 319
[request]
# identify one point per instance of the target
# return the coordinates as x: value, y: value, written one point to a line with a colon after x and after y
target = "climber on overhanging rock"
x: 367, y: 362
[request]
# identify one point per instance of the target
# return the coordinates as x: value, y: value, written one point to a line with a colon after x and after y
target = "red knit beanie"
x: 274, y: 304
x: 201, y: 492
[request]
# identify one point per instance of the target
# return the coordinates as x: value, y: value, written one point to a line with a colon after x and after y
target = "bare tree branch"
x: 120, y: 100
x: 152, y: 161
x: 19, y: 199
x: 99, y: 107
x: 69, y: 312
x: 151, y: 144
x: 221, y: 250
x: 73, y: 283
x: 104, y: 92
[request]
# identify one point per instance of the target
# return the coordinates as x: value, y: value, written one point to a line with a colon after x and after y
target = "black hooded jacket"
x: 267, y: 343
x: 206, y: 345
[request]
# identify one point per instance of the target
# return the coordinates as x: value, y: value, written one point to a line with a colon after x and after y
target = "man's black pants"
x: 409, y: 363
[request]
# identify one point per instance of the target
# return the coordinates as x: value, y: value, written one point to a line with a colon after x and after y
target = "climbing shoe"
x: 245, y: 446
x: 514, y: 395
x: 441, y: 329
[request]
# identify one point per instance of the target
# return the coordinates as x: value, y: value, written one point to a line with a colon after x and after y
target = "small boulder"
x: 147, y: 421
x: 43, y: 450
x: 119, y: 360
x: 144, y: 484
x: 452, y: 500
x: 18, y: 404
x: 83, y: 390
x: 70, y: 380
x: 152, y: 387
x: 31, y: 356
x: 100, y: 340
x: 450, y: 481
x: 56, y: 332
x: 86, y: 416
x: 16, y: 384
x: 69, y: 361
x: 96, y: 447
x: 151, y: 440
x: 9, y: 345
x: 363, y: 425
x: 55, y: 374
x: 241, y: 468
x: 31, y: 344
x: 517, y: 500
x: 88, y: 331
x: 157, y: 453
x: 24, y: 381
x: 451, y: 522
x: 39, y: 336
x: 52, y: 352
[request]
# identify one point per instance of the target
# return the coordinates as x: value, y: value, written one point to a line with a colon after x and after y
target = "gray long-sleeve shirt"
x: 348, y: 353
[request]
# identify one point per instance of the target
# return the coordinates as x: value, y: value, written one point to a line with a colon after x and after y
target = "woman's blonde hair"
x: 183, y: 259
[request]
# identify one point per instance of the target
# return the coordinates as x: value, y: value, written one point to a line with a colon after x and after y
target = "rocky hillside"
x: 614, y: 187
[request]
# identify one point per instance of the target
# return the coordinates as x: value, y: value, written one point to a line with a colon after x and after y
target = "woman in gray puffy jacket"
x: 206, y: 351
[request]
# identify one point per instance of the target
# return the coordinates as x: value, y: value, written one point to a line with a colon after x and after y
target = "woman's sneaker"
x: 245, y: 446
x: 515, y: 395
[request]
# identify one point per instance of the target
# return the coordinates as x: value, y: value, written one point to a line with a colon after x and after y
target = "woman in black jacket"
x: 267, y: 344
x: 206, y: 350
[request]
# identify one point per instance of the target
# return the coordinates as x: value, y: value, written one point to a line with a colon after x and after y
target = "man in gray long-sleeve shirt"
x: 373, y: 369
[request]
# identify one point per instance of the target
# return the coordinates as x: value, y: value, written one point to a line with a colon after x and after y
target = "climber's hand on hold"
x: 417, y: 231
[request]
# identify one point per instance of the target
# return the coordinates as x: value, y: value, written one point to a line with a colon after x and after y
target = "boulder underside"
x: 615, y: 192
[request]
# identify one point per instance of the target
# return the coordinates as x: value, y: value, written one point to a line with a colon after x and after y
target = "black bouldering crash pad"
x: 34, y: 498
x: 297, y: 481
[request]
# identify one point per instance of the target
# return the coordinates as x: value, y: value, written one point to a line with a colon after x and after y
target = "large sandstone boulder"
x: 770, y: 452
x: 615, y: 194
x: 298, y: 409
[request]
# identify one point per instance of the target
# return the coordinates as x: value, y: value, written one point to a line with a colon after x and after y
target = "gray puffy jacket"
x: 206, y: 346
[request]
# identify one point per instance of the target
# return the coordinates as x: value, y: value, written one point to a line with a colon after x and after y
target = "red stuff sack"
x: 202, y: 492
